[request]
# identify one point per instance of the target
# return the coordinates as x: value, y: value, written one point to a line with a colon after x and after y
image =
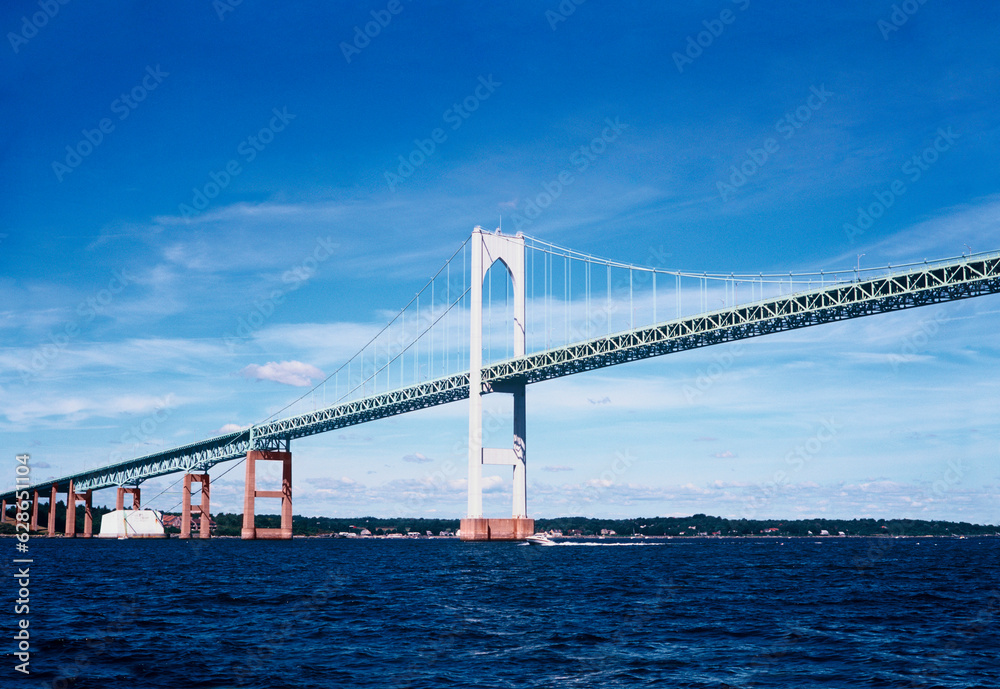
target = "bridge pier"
x: 3, y: 514
x: 250, y: 531
x: 204, y: 524
x: 120, y: 500
x: 88, y: 521
x: 20, y: 510
x: 53, y: 496
x: 69, y: 528
x: 488, y: 249
x: 34, y: 511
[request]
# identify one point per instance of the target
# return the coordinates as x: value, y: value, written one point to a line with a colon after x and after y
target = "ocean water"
x: 434, y: 613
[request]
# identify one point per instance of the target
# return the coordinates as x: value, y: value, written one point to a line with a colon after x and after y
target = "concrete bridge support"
x: 19, y: 504
x: 34, y: 512
x: 487, y: 249
x: 285, y: 494
x: 187, y: 510
x: 3, y: 514
x: 51, y: 526
x: 88, y: 521
x: 122, y: 492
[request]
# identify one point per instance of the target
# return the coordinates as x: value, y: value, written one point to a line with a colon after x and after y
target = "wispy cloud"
x: 285, y: 372
x: 74, y: 409
x: 231, y: 428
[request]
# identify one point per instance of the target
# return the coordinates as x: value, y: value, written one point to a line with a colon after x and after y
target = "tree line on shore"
x: 230, y: 524
x: 697, y: 525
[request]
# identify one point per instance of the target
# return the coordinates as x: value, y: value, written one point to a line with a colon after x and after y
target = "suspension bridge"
x: 504, y: 312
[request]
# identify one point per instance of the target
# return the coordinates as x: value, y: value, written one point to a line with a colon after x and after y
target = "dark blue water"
x: 352, y: 613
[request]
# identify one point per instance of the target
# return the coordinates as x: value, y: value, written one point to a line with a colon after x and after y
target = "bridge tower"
x: 487, y: 249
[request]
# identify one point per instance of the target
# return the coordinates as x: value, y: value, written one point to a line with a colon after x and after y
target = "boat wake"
x: 597, y: 545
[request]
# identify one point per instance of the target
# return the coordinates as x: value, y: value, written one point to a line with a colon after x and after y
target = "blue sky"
x: 167, y: 168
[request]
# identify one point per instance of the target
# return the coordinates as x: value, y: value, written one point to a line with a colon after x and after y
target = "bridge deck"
x: 936, y: 284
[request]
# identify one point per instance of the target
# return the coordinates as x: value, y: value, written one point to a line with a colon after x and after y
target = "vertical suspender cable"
x: 430, y: 337
x: 416, y: 346
x: 654, y: 297
x: 567, y: 296
x: 466, y: 285
x: 608, y: 319
x: 447, y: 323
x: 678, y: 290
x: 489, y: 347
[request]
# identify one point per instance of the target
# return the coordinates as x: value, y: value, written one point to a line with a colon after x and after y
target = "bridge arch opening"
x: 498, y: 313
x: 497, y: 345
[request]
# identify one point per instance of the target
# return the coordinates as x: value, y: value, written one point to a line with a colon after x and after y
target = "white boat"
x: 540, y: 539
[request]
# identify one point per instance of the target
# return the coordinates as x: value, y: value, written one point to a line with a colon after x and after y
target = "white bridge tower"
x: 488, y: 249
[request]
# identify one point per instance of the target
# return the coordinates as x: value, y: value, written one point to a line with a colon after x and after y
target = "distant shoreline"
x: 417, y: 537
x: 697, y: 526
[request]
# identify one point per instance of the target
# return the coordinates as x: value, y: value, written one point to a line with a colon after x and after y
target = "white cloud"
x: 943, y: 235
x: 286, y: 372
x: 417, y: 458
x: 79, y: 408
